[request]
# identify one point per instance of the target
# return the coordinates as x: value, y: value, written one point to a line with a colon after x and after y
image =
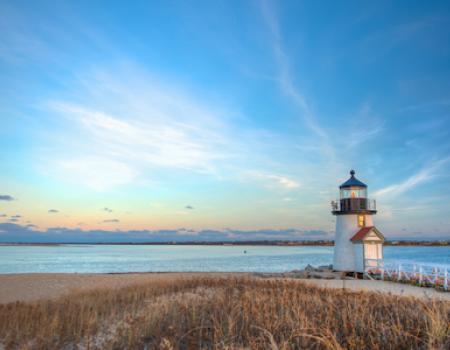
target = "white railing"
x: 430, y: 275
x: 353, y: 204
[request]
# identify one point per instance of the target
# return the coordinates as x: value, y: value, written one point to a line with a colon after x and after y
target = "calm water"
x: 113, y: 258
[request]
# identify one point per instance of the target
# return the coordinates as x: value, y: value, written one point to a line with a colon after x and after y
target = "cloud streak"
x: 364, y: 128
x: 111, y: 221
x: 132, y: 124
x: 284, y: 181
x: 287, y: 84
x: 272, y: 180
x: 6, y: 197
x: 422, y: 176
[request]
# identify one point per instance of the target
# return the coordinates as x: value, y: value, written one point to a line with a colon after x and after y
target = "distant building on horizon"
x: 358, y: 243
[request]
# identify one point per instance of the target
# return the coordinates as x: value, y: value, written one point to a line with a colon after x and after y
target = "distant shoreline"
x: 433, y: 243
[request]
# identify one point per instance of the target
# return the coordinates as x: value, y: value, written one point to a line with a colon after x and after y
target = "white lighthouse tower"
x: 358, y: 244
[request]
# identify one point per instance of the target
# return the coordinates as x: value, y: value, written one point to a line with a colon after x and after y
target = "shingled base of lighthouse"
x: 358, y: 243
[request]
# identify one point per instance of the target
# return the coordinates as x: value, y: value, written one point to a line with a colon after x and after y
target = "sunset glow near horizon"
x: 221, y: 119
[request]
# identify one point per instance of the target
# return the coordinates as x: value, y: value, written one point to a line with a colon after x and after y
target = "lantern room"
x: 353, y: 198
x: 353, y: 188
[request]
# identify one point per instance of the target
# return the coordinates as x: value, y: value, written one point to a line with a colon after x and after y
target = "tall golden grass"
x: 226, y: 313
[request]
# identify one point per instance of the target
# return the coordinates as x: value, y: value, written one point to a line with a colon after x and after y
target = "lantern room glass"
x: 357, y: 192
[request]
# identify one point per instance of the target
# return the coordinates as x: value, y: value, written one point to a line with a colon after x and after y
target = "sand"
x: 31, y: 287
x: 36, y: 286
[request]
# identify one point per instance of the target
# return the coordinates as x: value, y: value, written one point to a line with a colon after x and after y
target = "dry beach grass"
x: 226, y: 313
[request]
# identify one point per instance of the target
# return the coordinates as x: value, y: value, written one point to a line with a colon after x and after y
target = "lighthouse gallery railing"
x: 353, y: 204
x: 431, y: 275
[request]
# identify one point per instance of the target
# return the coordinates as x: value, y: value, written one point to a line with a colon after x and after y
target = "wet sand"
x: 31, y: 287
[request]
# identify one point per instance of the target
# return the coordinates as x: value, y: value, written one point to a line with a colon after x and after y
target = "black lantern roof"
x: 353, y: 181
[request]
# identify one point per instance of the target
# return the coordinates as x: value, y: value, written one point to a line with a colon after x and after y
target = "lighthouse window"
x: 361, y: 220
x: 354, y: 193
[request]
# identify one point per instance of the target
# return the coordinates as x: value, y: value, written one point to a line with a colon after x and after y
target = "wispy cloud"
x: 420, y: 177
x: 388, y: 38
x: 426, y: 106
x: 163, y: 142
x: 6, y: 197
x: 111, y: 221
x: 287, y: 83
x: 190, y: 207
x: 108, y: 210
x: 364, y: 127
x: 98, y: 173
x: 284, y: 181
x: 133, y: 123
x: 273, y: 179
x: 53, y: 211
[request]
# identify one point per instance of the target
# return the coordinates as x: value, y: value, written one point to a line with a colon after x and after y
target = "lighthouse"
x: 358, y: 244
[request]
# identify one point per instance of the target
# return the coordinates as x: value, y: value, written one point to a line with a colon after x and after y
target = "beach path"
x: 381, y: 287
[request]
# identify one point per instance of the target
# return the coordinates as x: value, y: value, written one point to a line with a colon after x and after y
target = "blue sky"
x: 235, y: 117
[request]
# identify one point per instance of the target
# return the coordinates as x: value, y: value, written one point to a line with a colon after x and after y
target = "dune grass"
x: 226, y: 313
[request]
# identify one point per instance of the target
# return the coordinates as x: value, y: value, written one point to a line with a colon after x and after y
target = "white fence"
x: 432, y: 275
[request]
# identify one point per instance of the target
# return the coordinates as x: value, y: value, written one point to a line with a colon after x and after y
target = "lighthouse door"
x: 371, y: 255
x: 371, y: 251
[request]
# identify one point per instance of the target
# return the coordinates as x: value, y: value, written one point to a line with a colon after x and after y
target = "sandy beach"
x: 40, y: 286
x: 32, y: 287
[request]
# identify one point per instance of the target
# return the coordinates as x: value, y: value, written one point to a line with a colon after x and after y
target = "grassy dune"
x: 226, y: 313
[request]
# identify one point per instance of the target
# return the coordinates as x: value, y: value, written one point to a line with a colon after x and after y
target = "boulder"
x: 325, y: 267
x: 325, y: 275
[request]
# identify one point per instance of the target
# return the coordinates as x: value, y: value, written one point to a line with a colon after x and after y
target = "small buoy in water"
x: 245, y: 252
